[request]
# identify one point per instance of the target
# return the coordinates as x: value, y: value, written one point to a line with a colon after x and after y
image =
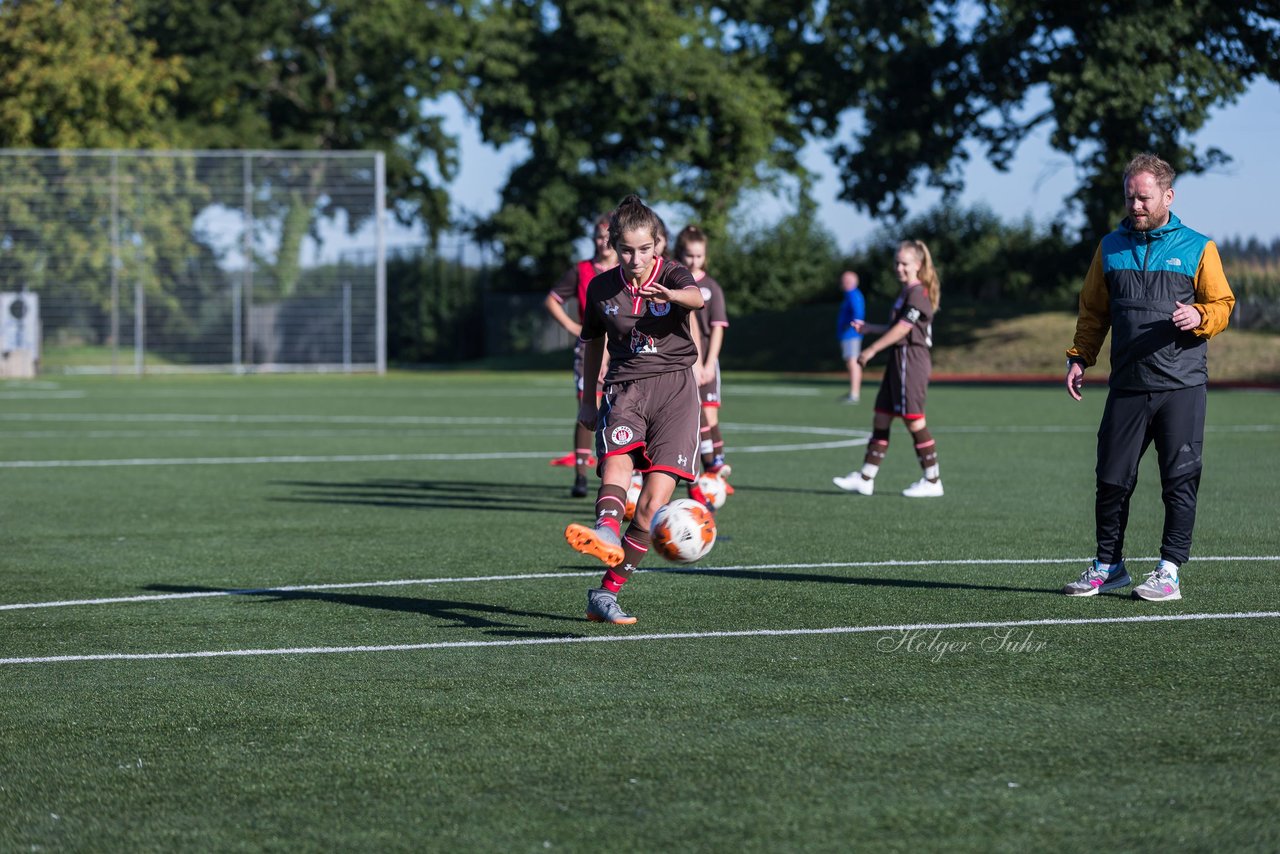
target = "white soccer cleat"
x: 855, y: 482
x: 924, y: 488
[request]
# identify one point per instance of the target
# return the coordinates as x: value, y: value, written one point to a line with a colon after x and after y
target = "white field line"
x: 851, y: 438
x: 37, y: 394
x: 196, y: 418
x: 673, y: 636
x: 247, y: 461
x: 538, y: 576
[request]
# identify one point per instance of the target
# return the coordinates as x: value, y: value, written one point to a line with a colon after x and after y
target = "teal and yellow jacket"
x: 1130, y: 289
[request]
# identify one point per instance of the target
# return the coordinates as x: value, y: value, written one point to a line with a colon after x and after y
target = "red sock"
x: 612, y: 581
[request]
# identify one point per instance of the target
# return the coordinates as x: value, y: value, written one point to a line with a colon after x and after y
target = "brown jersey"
x: 644, y: 338
x: 906, y: 376
x: 713, y: 311
x: 913, y: 307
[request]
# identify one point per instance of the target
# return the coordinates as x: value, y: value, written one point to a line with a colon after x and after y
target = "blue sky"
x: 1232, y: 202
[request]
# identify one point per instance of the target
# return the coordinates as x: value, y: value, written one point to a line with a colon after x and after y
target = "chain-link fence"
x: 198, y: 260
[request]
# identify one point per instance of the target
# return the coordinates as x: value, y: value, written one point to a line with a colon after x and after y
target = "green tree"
x: 653, y: 97
x: 1116, y: 79
x: 335, y: 75
x: 73, y: 75
x: 777, y: 266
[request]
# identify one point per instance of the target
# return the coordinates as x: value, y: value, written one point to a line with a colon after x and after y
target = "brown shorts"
x: 906, y: 383
x: 655, y: 420
x: 709, y: 394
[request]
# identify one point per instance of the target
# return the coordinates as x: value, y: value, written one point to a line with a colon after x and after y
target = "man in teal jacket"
x: 1159, y: 288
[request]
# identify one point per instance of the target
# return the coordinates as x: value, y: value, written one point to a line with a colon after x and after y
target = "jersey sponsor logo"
x: 660, y: 309
x: 912, y: 315
x: 641, y: 343
x: 621, y: 435
x: 610, y: 308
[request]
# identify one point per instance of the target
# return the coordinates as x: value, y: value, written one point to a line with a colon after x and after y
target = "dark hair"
x: 689, y: 234
x: 633, y: 215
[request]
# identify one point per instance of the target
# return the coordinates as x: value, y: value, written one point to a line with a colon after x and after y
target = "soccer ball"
x: 633, y: 495
x: 713, y: 486
x: 683, y: 531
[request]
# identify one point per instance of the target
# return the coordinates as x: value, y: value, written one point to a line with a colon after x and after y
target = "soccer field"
x: 338, y: 613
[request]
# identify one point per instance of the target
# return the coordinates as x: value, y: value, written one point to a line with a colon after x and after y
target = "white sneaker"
x: 924, y: 488
x: 855, y: 482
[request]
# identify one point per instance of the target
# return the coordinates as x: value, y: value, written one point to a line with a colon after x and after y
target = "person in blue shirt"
x: 852, y: 312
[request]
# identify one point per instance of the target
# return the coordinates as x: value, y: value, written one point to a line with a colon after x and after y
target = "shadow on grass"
x: 858, y: 581
x: 464, y: 615
x: 410, y: 494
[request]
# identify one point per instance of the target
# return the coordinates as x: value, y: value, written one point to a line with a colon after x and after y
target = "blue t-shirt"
x: 853, y: 308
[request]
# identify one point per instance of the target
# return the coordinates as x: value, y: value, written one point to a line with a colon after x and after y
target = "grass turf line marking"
x: 380, y: 458
x: 745, y: 633
x: 591, y: 573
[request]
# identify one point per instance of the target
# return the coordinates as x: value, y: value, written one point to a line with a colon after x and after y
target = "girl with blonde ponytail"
x: 908, y: 337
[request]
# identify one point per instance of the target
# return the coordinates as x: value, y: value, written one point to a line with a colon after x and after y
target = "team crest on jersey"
x: 706, y: 294
x: 621, y: 435
x: 660, y: 309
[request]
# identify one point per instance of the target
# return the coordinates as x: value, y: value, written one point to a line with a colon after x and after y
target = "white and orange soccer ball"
x: 684, y: 530
x: 714, y: 487
x: 633, y: 495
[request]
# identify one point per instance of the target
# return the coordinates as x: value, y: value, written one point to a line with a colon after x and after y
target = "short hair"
x: 1147, y: 162
x: 634, y: 215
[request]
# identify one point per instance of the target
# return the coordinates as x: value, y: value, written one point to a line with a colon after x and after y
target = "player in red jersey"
x: 907, y: 337
x: 572, y: 286
x: 713, y: 320
x: 648, y: 418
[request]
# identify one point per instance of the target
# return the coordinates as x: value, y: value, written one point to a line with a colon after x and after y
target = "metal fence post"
x: 246, y: 277
x: 115, y: 263
x: 346, y: 327
x: 380, y: 261
x: 139, y: 328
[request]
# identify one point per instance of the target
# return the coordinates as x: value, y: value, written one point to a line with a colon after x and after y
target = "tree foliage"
x: 1107, y: 80
x: 331, y: 75
x: 74, y: 75
x: 651, y: 97
x: 981, y: 260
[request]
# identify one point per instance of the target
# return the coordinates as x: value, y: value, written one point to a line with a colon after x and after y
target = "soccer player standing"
x: 713, y: 320
x: 907, y: 337
x: 1160, y: 289
x: 573, y: 286
x: 648, y: 418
